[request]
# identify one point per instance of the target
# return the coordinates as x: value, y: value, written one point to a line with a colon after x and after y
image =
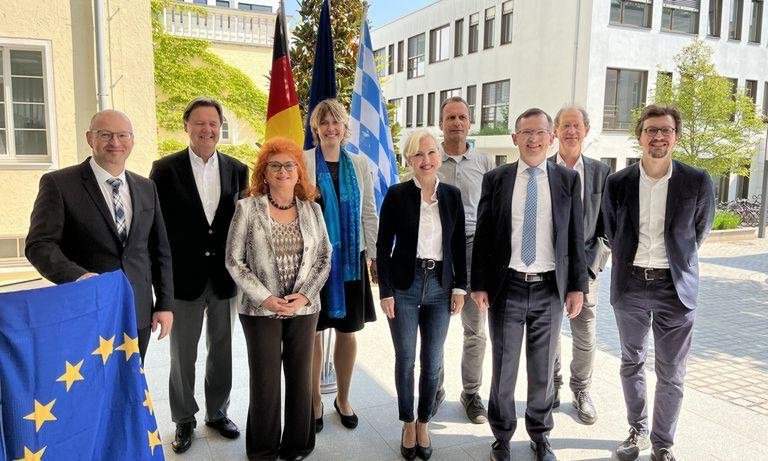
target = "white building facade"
x: 504, y: 56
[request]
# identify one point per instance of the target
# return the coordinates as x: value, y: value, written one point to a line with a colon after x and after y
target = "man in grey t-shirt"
x: 464, y: 168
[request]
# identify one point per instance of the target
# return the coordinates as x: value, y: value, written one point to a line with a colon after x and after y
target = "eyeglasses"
x: 652, y: 131
x: 107, y: 136
x: 277, y: 166
x: 532, y: 133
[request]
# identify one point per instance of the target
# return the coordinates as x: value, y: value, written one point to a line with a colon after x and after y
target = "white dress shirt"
x: 208, y: 182
x: 578, y: 167
x: 545, y: 246
x: 651, y: 251
x: 102, y: 176
x: 430, y: 242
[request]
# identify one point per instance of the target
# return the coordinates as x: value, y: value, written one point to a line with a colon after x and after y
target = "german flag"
x: 283, y: 116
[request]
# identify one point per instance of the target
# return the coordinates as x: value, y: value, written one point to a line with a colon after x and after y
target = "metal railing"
x: 222, y: 25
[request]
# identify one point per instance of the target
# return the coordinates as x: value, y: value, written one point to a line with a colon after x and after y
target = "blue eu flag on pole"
x: 71, y: 382
x: 323, y: 70
x: 369, y: 123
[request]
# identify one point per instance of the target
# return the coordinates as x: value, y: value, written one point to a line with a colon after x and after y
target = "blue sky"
x: 380, y: 12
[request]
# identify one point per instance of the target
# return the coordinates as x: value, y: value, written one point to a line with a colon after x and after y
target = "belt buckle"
x: 428, y: 264
x: 646, y: 271
x: 530, y: 278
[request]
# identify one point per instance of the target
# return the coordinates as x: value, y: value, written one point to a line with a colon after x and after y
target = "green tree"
x: 185, y: 69
x: 346, y: 17
x: 720, y: 128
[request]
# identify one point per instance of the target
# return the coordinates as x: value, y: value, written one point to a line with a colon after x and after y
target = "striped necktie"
x: 528, y: 249
x: 117, y: 202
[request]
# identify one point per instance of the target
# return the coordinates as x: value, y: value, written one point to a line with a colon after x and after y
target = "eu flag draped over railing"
x: 368, y: 122
x: 323, y: 70
x: 71, y: 382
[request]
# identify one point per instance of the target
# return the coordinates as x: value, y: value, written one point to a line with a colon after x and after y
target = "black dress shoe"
x: 423, y: 452
x: 543, y: 451
x: 319, y: 421
x: 225, y: 426
x: 407, y: 453
x: 183, y: 439
x: 500, y: 451
x: 350, y: 422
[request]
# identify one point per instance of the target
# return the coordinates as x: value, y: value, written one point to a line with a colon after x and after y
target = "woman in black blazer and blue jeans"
x: 422, y: 280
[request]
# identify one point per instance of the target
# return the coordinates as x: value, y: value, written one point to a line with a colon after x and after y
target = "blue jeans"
x: 425, y: 306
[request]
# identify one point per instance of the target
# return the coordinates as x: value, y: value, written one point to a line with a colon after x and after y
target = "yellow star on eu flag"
x: 130, y: 346
x: 148, y: 402
x: 41, y: 414
x: 30, y: 456
x: 105, y: 348
x: 72, y: 374
x: 154, y: 440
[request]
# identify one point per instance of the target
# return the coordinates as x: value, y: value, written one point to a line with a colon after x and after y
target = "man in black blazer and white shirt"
x: 98, y: 217
x: 657, y: 214
x: 571, y: 127
x: 198, y: 190
x: 527, y: 262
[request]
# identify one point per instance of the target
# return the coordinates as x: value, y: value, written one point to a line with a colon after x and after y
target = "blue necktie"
x: 117, y: 202
x: 528, y: 250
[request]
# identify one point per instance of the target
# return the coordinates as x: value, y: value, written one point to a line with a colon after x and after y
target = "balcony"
x: 222, y: 25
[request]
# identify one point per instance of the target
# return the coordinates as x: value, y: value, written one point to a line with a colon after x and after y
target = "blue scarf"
x: 342, y: 218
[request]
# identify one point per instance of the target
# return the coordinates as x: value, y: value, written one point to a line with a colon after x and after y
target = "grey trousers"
x: 185, y: 334
x: 531, y: 312
x: 654, y: 306
x: 584, y: 343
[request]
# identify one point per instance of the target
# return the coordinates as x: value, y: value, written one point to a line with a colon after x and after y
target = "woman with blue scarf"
x: 345, y: 184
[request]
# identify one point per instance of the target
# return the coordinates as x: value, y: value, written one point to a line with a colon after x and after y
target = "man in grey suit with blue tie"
x: 527, y: 262
x: 657, y: 214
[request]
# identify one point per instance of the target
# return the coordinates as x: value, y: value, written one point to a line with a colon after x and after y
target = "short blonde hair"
x: 333, y: 107
x: 411, y: 145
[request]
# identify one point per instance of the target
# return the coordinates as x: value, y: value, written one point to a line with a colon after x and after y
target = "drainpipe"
x: 98, y: 25
x: 576, y: 51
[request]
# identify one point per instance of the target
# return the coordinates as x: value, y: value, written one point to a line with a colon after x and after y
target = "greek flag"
x: 369, y: 124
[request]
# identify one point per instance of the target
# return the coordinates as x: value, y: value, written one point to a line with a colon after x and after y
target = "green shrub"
x: 726, y: 220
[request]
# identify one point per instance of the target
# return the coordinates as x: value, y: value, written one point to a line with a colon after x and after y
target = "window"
x: 624, y: 91
x: 378, y: 61
x: 409, y: 111
x: 610, y: 161
x: 474, y: 33
x: 25, y: 114
x: 500, y: 159
x: 715, y: 17
x: 222, y: 3
x: 419, y: 110
x: 431, y: 109
x: 251, y: 7
x: 439, y: 45
x: 632, y: 13
x: 488, y: 31
x: 416, y: 56
x: 756, y: 21
x: 734, y: 25
x: 397, y: 103
x: 391, y: 60
x: 506, y: 22
x: 765, y: 98
x: 458, y: 38
x: 680, y: 16
x: 199, y: 2
x: 400, y: 55
x: 225, y: 134
x: 445, y: 94
x: 472, y: 101
x: 495, y: 110
x: 751, y: 90
x: 632, y: 160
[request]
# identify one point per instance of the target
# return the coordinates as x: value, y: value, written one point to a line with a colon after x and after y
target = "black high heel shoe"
x: 423, y: 452
x: 350, y: 422
x: 319, y: 421
x: 407, y: 453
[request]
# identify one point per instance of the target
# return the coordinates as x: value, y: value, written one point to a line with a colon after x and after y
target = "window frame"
x: 489, y: 27
x: 473, y: 43
x: 431, y: 109
x: 647, y: 13
x: 754, y: 35
x: 737, y: 13
x: 409, y: 111
x: 622, y: 124
x: 417, y: 62
x: 675, y: 11
x: 400, y: 55
x: 507, y: 8
x: 472, y: 101
x: 439, y: 42
x: 391, y: 59
x: 9, y: 160
x: 458, y: 38
x: 420, y: 109
x: 496, y: 105
x: 715, y: 18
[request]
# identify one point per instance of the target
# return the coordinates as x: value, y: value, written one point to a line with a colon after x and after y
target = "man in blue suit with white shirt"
x: 657, y: 214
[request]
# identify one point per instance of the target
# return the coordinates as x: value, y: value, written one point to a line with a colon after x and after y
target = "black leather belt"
x: 429, y: 264
x: 649, y: 273
x: 531, y: 277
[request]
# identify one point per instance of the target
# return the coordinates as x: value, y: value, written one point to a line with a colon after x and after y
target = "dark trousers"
x: 423, y: 309
x: 655, y: 306
x: 532, y: 311
x: 272, y: 344
x: 144, y: 335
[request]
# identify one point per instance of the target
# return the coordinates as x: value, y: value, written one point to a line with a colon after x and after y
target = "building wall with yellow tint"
x: 65, y: 31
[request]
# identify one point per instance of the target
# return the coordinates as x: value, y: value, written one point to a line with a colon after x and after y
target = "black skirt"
x: 359, y: 309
